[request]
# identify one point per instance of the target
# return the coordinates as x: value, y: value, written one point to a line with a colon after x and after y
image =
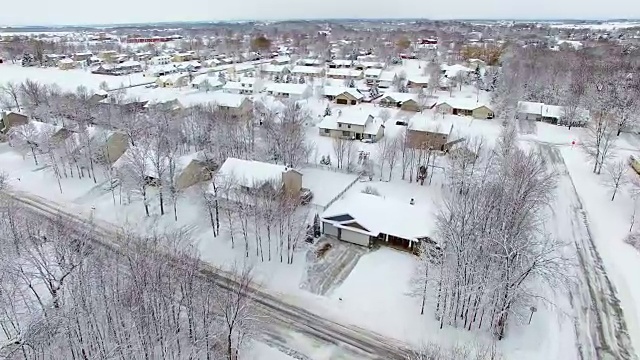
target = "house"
x: 464, y: 107
x: 272, y: 70
x: 340, y: 63
x: 107, y: 146
x: 386, y: 79
x: 235, y: 105
x: 357, y: 126
x: 406, y: 101
x: 426, y: 133
x: 371, y: 65
x: 537, y: 111
x: 193, y: 169
x: 12, y: 119
x: 310, y: 71
x: 164, y: 105
x: 189, y: 169
x: 204, y: 82
x: 344, y: 73
x: 366, y: 219
x: 162, y: 70
x: 185, y: 56
x: 98, y: 97
x: 174, y: 80
x: 247, y: 177
x: 291, y: 91
x: 107, y: 55
x: 161, y: 60
x: 310, y: 62
x: 456, y: 70
x: 417, y: 82
x: 192, y: 66
x: 372, y: 75
x: 242, y: 68
x: 246, y: 86
x: 66, y: 64
x: 38, y: 134
x: 342, y: 95
x: 82, y: 56
x: 476, y: 64
x: 281, y: 60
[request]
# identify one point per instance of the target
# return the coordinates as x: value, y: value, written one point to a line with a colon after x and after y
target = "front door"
x: 358, y: 136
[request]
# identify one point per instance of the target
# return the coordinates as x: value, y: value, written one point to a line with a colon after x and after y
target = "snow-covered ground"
x: 68, y: 80
x: 377, y: 293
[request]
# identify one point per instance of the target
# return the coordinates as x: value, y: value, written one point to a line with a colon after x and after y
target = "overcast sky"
x: 49, y: 12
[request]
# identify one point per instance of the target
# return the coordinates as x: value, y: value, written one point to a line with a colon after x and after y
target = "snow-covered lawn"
x: 325, y: 184
x: 68, y: 80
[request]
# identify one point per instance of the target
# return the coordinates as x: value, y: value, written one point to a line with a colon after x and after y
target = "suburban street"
x: 598, y: 318
x: 283, y: 318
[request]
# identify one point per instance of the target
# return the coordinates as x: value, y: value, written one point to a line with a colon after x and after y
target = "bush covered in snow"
x: 371, y: 190
x: 633, y: 239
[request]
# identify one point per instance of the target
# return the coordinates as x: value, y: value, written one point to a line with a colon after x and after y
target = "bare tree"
x: 237, y: 312
x: 600, y: 138
x: 616, y: 172
x: 10, y: 96
x: 340, y: 148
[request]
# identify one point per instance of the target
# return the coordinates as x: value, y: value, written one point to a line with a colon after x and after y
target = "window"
x: 348, y: 126
x: 346, y: 133
x: 326, y: 131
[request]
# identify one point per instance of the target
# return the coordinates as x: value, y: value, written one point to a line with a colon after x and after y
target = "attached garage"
x: 342, y: 101
x: 329, y: 229
x: 366, y: 220
x: 354, y: 237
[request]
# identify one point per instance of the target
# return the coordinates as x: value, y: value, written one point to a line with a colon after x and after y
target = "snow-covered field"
x: 68, y: 80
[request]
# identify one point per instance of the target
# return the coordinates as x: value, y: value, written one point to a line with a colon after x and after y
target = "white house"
x: 161, y: 60
x: 365, y: 219
x: 386, y: 79
x: 204, y: 82
x: 372, y: 75
x: 312, y: 71
x: 292, y: 91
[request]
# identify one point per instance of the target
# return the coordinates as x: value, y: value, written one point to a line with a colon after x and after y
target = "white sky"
x: 49, y: 12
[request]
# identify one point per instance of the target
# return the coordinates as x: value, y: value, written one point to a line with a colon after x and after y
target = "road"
x: 599, y: 322
x: 284, y: 317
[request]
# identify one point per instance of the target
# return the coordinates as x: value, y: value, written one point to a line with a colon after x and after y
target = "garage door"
x: 342, y: 101
x: 354, y: 237
x: 330, y: 229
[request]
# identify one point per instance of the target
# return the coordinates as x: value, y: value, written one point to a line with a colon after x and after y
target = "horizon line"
x: 117, y: 24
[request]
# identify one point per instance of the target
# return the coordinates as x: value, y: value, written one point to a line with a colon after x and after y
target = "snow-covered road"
x: 599, y: 322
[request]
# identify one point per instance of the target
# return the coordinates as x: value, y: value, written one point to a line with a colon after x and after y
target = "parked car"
x: 305, y: 196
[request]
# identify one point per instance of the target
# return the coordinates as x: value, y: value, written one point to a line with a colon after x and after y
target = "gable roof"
x: 463, y: 103
x: 382, y: 215
x: 228, y: 100
x: 337, y: 90
x: 250, y: 173
x: 301, y: 69
x: 282, y: 88
x: 344, y: 72
x: 399, y: 97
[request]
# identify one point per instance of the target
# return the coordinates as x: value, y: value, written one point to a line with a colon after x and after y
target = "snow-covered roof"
x: 213, y: 81
x: 373, y: 72
x: 387, y: 76
x: 463, y: 103
x: 372, y: 64
x: 528, y: 107
x: 281, y: 59
x: 66, y: 61
x: 426, y: 124
x: 342, y: 62
x: 250, y: 173
x: 359, y: 118
x: 399, y: 97
x: 380, y: 215
x: 337, y: 90
x: 310, y: 62
x: 372, y: 127
x: 269, y: 68
x: 344, y: 72
x: 418, y: 79
x: 301, y: 69
x: 227, y: 100
x: 282, y: 88
x: 234, y: 85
